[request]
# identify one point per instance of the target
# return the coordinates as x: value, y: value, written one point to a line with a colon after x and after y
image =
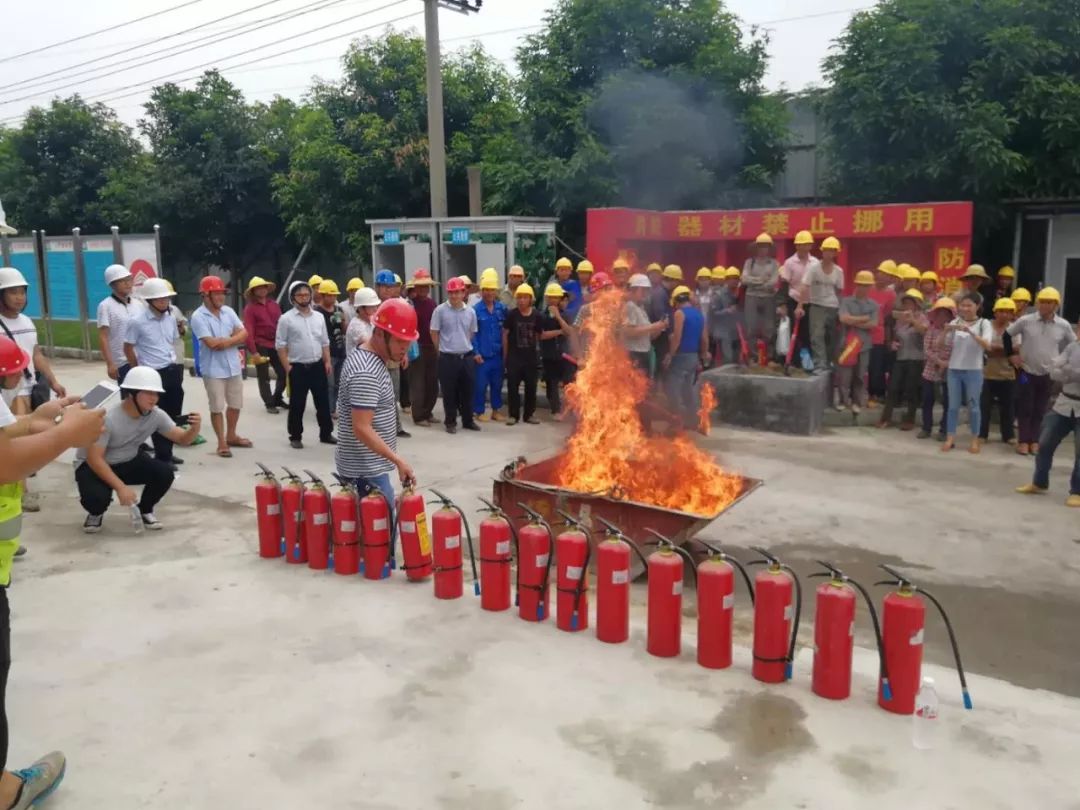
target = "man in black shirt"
x: 553, y: 346
x: 521, y: 339
x: 335, y: 330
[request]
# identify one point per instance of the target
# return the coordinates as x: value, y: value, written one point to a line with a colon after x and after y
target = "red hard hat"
x: 455, y: 285
x: 12, y: 358
x: 600, y: 281
x: 397, y: 317
x: 421, y: 273
x: 211, y: 284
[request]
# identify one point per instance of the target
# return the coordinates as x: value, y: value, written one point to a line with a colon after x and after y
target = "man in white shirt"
x: 113, y: 314
x: 304, y: 349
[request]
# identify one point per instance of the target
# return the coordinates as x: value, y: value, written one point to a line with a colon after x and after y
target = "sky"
x: 801, y: 35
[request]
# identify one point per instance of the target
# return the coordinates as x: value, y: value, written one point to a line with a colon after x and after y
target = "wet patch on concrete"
x: 997, y: 745
x: 763, y: 730
x: 861, y: 765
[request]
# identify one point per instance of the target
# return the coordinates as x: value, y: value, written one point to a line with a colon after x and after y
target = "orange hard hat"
x: 211, y: 284
x: 396, y: 317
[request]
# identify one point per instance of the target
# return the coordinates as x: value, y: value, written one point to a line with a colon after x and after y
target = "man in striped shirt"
x: 367, y: 408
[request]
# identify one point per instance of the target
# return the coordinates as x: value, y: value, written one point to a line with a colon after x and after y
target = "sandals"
x: 224, y: 452
x: 950, y: 443
x: 240, y: 442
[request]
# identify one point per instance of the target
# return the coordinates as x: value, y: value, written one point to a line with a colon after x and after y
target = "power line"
x: 108, y: 30
x: 320, y: 5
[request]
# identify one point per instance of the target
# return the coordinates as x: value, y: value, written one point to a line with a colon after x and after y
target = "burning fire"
x: 609, y: 447
x: 708, y: 402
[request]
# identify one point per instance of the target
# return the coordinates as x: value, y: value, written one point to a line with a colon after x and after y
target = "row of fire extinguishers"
x: 351, y: 534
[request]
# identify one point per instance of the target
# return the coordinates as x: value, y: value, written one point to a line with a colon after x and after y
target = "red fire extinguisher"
x: 292, y: 507
x: 446, y: 527
x: 317, y: 523
x: 268, y: 513
x: 376, y: 518
x: 774, y: 607
x: 716, y: 605
x: 573, y: 549
x: 413, y: 530
x: 902, y: 626
x: 613, y: 584
x: 535, y: 541
x: 665, y: 572
x: 834, y: 635
x: 344, y: 513
x: 496, y: 532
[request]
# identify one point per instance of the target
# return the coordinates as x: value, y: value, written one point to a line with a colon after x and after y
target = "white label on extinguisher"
x: 542, y: 560
x: 676, y: 588
x: 620, y: 577
x: 502, y: 547
x: 729, y: 601
x: 348, y: 525
x: 408, y: 526
x: 787, y: 613
x: 273, y: 509
x: 916, y: 639
x: 453, y: 541
x: 573, y: 572
x: 379, y: 524
x: 320, y: 518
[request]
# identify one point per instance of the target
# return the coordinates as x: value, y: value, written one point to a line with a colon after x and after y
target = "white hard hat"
x: 366, y: 297
x: 116, y: 272
x: 143, y: 378
x: 640, y: 280
x: 155, y: 288
x: 10, y: 277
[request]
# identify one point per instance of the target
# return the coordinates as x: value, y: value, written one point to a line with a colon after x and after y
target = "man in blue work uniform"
x: 487, y: 343
x: 574, y: 298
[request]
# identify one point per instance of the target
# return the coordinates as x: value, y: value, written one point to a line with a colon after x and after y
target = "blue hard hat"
x: 385, y: 277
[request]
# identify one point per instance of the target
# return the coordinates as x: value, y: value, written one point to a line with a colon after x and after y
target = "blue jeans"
x: 965, y: 388
x: 489, y: 374
x: 680, y: 386
x: 1055, y: 428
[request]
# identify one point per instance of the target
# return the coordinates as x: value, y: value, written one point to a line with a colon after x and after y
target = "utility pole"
x: 436, y: 130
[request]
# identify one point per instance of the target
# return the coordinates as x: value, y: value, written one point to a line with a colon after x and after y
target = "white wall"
x: 1064, y: 243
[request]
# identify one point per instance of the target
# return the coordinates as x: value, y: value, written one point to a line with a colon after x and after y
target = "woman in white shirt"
x: 360, y: 329
x: 969, y: 336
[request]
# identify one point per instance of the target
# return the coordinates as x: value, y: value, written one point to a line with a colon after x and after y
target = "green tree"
x: 656, y: 103
x: 53, y: 168
x: 969, y: 99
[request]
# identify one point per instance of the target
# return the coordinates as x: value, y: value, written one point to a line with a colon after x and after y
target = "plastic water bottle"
x: 925, y: 723
x: 136, y: 519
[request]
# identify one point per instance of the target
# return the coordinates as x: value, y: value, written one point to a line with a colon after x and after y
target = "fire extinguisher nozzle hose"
x: 886, y: 689
x: 955, y: 647
x: 789, y: 669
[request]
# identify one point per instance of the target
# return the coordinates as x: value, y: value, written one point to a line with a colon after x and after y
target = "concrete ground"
x: 178, y: 670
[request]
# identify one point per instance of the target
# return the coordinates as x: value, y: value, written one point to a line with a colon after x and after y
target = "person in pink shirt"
x: 261, y: 315
x: 792, y: 275
x: 884, y: 295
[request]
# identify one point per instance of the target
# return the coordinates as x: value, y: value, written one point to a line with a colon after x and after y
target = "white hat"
x: 116, y: 272
x: 10, y: 277
x: 366, y: 297
x: 155, y: 288
x: 142, y: 378
x: 640, y: 280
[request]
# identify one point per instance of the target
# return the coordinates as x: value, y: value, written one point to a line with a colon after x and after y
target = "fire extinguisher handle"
x: 769, y: 557
x: 289, y: 474
x: 265, y: 470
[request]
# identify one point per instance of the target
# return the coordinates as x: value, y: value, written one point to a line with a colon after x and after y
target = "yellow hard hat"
x: 524, y: 289
x: 945, y: 303
x: 314, y: 281
x: 682, y: 289
x: 564, y: 262
x: 397, y: 279
x: 620, y: 264
x: 584, y: 266
x: 900, y: 270
x: 913, y: 293
x: 830, y: 243
x: 489, y: 272
x: 911, y: 274
x: 489, y: 283
x: 704, y: 272
x: 719, y: 272
x: 804, y: 238
x: 553, y: 290
x: 355, y: 283
x: 258, y: 281
x: 888, y: 266
x: 1005, y: 304
x: 930, y: 275
x: 864, y: 277
x: 1048, y: 294
x: 516, y: 270
x: 733, y: 272
x: 1006, y: 272
x: 764, y: 239
x: 1021, y: 294
x: 329, y: 287
x: 654, y: 268
x: 975, y: 271
x: 673, y: 271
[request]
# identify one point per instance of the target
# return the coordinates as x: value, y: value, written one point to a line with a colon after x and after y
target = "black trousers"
x: 172, y: 402
x: 457, y: 375
x: 520, y: 370
x: 553, y: 377
x: 879, y: 359
x: 95, y: 495
x: 1003, y: 394
x: 904, y: 389
x: 262, y: 372
x: 424, y: 383
x: 5, y: 667
x: 305, y: 377
x: 930, y: 391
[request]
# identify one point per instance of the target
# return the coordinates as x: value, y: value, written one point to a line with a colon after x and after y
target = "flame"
x: 708, y: 402
x: 609, y: 449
